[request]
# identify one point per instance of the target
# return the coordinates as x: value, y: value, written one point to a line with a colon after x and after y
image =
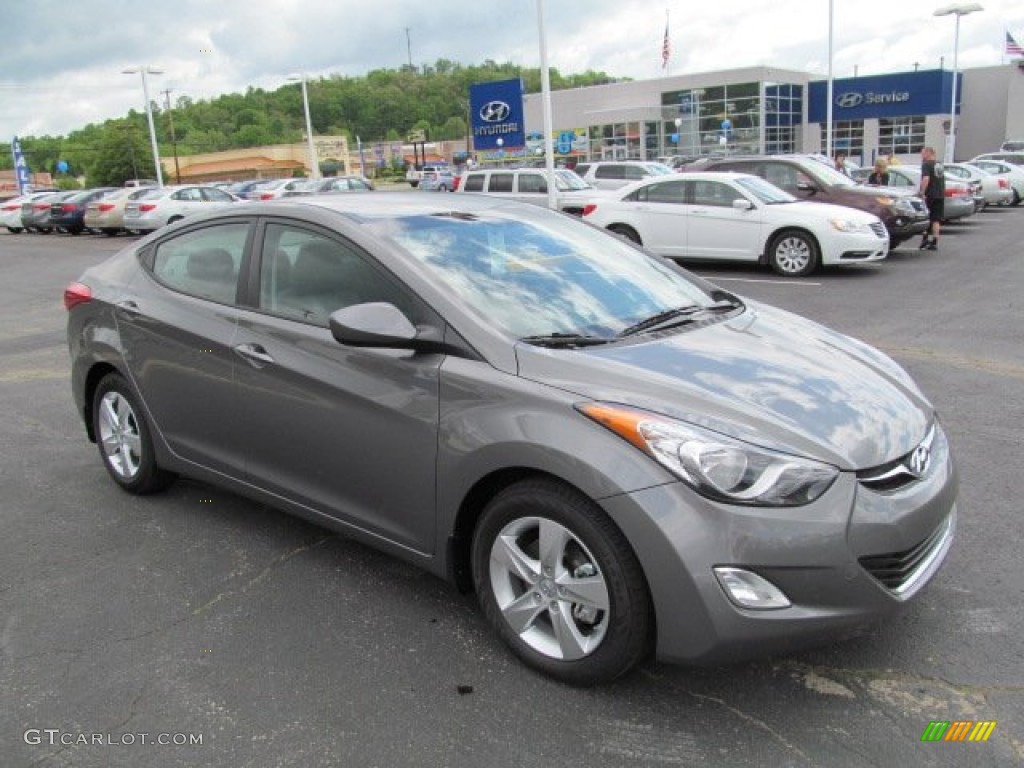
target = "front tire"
x: 560, y: 584
x: 793, y: 254
x: 124, y: 439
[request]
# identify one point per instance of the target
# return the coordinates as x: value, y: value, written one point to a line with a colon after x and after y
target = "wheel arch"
x: 786, y: 229
x: 92, y: 380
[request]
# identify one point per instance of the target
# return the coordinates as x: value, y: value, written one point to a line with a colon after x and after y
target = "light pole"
x: 144, y: 70
x: 958, y: 10
x: 314, y: 166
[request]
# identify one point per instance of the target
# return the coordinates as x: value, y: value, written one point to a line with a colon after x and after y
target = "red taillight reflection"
x: 69, y: 208
x: 267, y: 196
x: 15, y: 207
x: 144, y: 207
x: 589, y: 208
x: 104, y: 207
x: 41, y: 206
x: 75, y: 294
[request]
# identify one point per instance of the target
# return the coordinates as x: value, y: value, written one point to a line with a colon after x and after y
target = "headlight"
x: 851, y: 227
x: 717, y: 466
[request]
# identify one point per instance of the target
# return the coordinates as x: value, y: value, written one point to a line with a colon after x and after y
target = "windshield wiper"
x: 569, y: 340
x: 676, y: 316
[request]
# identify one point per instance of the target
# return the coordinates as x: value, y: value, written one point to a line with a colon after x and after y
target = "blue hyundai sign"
x: 497, y: 109
x: 900, y: 95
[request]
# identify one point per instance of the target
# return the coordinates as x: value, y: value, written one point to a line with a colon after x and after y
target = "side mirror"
x: 806, y: 186
x: 742, y: 204
x: 376, y: 324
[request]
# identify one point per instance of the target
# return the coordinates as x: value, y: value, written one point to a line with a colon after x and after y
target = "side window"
x: 500, y: 182
x: 474, y: 183
x: 609, y: 172
x: 214, y: 195
x: 582, y: 168
x: 633, y: 172
x: 532, y: 182
x: 306, y: 276
x: 666, y: 192
x: 714, y: 193
x: 783, y: 176
x: 203, y: 263
x: 191, y: 194
x: 899, y: 180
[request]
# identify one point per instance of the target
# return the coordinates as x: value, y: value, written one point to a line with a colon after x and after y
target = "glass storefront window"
x: 901, y: 135
x: 847, y: 136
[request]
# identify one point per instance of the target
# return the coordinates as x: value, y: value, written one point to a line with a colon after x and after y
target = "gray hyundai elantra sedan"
x: 620, y: 458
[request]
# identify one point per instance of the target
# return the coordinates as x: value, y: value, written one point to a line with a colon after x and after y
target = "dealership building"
x: 770, y: 110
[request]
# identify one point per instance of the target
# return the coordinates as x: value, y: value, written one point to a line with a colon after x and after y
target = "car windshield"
x: 567, y: 180
x: 532, y: 272
x: 658, y: 169
x: 765, y: 191
x: 826, y: 174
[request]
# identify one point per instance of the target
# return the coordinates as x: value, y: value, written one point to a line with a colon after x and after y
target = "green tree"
x: 123, y: 154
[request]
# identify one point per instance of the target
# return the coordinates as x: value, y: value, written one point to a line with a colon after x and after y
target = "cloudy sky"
x: 61, y: 63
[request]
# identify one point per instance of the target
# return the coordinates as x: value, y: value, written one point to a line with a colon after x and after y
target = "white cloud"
x: 54, y: 78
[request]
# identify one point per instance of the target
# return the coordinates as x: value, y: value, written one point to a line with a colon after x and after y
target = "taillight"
x: 15, y: 207
x: 267, y: 196
x: 69, y: 208
x: 75, y: 294
x: 146, y: 207
x: 589, y: 208
x: 104, y: 207
x: 1004, y: 184
x: 41, y: 206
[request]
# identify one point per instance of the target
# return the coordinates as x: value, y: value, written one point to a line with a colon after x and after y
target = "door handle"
x: 128, y: 308
x: 254, y: 354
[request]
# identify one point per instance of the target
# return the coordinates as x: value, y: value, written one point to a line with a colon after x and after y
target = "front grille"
x: 899, y: 571
x: 878, y: 228
x: 906, y: 469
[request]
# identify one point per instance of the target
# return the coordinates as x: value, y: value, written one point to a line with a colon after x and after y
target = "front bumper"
x: 828, y: 558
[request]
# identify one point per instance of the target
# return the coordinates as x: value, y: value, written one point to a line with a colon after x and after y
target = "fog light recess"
x: 748, y: 590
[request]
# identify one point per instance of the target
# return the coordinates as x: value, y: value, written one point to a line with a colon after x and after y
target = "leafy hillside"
x: 383, y: 105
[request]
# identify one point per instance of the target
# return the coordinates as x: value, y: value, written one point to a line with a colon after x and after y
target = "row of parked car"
x: 792, y: 212
x: 113, y: 210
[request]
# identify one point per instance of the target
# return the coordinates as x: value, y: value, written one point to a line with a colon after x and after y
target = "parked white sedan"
x: 996, y: 190
x: 165, y: 205
x: 739, y: 217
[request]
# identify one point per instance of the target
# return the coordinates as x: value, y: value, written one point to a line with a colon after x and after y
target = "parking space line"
x: 797, y: 283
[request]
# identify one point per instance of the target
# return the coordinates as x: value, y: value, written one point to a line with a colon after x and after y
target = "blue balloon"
x: 62, y: 166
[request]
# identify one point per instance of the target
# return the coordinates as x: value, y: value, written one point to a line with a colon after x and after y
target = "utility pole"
x: 408, y: 46
x: 174, y: 140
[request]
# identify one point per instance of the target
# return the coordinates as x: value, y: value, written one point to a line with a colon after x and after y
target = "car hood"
x: 880, y: 191
x: 764, y: 376
x: 817, y: 211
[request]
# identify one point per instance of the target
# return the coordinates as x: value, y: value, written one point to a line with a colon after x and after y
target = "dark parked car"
x: 69, y: 214
x: 618, y: 456
x: 903, y: 212
x: 35, y: 214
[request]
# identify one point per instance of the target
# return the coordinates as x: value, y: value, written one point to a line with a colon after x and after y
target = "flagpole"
x: 666, y: 49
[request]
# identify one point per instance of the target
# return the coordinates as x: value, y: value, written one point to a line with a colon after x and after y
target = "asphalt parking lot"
x: 199, y: 616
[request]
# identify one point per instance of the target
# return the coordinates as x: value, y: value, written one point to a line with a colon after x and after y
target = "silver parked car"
x: 618, y: 456
x: 159, y: 206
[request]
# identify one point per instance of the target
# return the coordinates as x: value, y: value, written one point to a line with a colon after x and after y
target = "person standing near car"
x: 879, y: 177
x: 933, y: 190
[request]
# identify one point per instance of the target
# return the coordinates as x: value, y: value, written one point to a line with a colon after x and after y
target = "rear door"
x: 178, y: 323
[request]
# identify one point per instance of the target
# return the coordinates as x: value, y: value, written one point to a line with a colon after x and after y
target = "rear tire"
x: 626, y: 231
x: 15, y: 230
x: 110, y: 231
x: 560, y: 583
x: 124, y: 438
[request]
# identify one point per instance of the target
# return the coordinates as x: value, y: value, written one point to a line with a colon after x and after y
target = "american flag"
x: 666, y: 47
x: 1012, y: 46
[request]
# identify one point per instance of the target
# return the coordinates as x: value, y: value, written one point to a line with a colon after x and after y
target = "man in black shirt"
x: 933, y: 190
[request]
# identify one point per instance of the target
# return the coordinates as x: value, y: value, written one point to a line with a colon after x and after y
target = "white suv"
x: 619, y: 173
x: 529, y: 185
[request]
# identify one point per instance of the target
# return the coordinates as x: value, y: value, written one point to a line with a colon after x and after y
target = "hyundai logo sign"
x: 849, y: 100
x: 919, y: 460
x: 495, y: 112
